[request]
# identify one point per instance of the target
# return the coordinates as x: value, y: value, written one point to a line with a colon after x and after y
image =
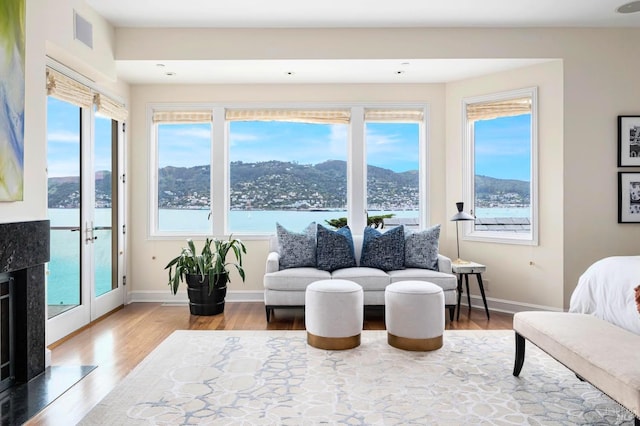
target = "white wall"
x: 150, y: 256
x: 578, y: 186
x: 599, y: 82
x: 519, y: 273
x: 50, y: 24
x: 98, y: 63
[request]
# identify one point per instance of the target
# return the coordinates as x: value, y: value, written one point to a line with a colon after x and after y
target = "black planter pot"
x: 200, y: 301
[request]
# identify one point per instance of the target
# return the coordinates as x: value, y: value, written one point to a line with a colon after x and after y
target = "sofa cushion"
x: 383, y: 250
x: 446, y: 281
x: 297, y: 249
x: 368, y: 278
x: 295, y: 279
x: 334, y: 249
x: 421, y: 248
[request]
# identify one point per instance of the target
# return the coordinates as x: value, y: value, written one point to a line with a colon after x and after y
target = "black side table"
x: 464, y: 270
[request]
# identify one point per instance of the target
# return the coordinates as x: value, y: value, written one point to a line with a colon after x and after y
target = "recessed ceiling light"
x: 400, y: 72
x: 159, y: 65
x: 631, y: 7
x: 170, y: 73
x: 405, y: 64
x: 289, y: 73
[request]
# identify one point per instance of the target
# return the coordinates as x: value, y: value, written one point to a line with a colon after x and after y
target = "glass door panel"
x: 63, y: 158
x: 104, y: 216
x: 82, y: 280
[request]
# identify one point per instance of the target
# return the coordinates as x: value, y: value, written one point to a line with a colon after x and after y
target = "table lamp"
x: 457, y: 218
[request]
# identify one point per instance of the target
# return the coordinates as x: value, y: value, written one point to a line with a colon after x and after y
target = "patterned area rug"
x: 275, y: 378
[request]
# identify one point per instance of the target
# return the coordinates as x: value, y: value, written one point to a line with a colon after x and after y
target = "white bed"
x: 606, y: 290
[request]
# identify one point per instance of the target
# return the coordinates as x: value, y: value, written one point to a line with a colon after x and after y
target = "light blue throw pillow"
x: 383, y: 250
x: 421, y: 248
x: 334, y: 249
x: 297, y: 249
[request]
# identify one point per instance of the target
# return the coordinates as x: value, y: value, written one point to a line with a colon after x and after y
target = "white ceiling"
x: 364, y: 13
x: 344, y: 14
x: 313, y: 71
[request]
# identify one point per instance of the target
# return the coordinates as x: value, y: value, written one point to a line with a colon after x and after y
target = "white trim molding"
x: 468, y: 230
x: 181, y: 297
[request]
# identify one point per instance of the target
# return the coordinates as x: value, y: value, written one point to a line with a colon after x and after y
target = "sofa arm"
x: 444, y: 264
x: 273, y: 262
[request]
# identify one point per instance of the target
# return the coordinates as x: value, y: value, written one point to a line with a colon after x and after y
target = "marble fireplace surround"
x: 24, y: 249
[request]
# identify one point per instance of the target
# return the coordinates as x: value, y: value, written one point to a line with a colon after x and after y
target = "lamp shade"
x: 461, y: 215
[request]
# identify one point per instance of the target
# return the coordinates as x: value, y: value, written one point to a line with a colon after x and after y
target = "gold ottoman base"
x: 409, y: 344
x: 333, y: 343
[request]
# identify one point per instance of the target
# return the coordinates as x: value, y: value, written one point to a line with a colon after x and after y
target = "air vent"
x: 82, y: 30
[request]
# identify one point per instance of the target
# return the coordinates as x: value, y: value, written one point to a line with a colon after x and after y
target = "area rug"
x: 275, y: 378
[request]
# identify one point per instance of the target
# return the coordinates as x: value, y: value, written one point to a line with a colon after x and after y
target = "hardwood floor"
x: 118, y: 342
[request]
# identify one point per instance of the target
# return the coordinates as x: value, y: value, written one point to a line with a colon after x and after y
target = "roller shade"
x: 506, y: 108
x: 67, y: 89
x: 182, y: 116
x: 394, y: 115
x: 337, y: 116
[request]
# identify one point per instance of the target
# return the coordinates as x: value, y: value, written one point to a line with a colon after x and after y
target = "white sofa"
x: 286, y: 288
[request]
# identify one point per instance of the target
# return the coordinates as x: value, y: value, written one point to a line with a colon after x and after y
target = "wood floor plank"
x: 118, y: 342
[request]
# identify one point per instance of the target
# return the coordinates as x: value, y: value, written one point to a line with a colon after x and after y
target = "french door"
x: 85, y: 273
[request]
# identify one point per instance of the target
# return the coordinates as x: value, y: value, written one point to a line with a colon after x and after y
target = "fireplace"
x: 24, y: 249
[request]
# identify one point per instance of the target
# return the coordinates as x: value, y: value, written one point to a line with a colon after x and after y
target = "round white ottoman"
x: 414, y: 315
x: 333, y: 314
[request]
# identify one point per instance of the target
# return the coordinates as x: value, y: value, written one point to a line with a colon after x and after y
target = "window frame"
x: 423, y: 157
x: 152, y: 184
x: 220, y: 171
x: 469, y: 233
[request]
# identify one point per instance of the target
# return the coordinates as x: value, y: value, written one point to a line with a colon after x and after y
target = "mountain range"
x: 286, y: 185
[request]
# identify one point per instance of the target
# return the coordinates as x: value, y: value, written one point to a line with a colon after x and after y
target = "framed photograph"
x: 628, y: 197
x: 628, y: 141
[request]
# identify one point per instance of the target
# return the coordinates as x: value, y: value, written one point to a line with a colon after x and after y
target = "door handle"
x: 88, y: 234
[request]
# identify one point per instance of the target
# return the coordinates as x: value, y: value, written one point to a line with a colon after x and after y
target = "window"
x: 393, y: 165
x: 286, y: 165
x: 500, y: 172
x: 183, y: 172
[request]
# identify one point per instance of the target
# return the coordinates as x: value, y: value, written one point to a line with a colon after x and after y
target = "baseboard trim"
x: 181, y: 297
x: 505, y: 306
x: 496, y: 305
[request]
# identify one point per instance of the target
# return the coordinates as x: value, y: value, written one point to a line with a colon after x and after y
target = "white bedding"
x: 605, y: 290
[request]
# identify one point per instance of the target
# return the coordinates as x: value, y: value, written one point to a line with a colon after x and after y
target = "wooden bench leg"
x: 517, y: 366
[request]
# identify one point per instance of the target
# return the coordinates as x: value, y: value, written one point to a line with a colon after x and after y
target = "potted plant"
x: 206, y: 273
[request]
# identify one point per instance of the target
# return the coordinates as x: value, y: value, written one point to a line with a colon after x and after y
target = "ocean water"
x: 64, y: 268
x: 264, y: 221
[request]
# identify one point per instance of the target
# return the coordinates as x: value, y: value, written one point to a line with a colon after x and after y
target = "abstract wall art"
x: 12, y: 80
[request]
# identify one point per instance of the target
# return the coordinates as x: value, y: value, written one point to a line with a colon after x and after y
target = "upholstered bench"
x: 597, y: 351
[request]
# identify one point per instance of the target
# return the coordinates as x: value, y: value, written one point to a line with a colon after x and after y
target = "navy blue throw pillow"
x: 334, y: 249
x: 383, y: 250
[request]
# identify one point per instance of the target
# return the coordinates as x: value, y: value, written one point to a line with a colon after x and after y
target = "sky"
x: 501, y: 150
x: 63, y: 140
x: 393, y: 146
x: 502, y: 147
